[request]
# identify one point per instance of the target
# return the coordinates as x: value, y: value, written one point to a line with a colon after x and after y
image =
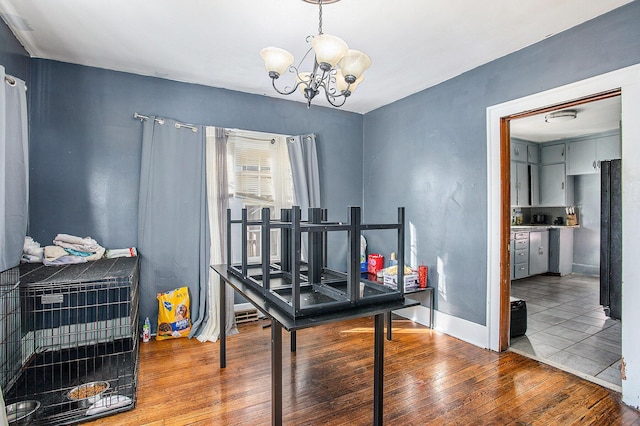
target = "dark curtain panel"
x: 173, y: 228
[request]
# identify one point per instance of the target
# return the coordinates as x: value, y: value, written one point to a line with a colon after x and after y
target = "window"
x: 259, y: 176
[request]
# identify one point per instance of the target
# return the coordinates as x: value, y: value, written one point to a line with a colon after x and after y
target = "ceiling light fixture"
x: 560, y: 116
x: 337, y: 70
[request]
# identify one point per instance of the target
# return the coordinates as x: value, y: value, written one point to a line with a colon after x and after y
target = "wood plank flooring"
x: 430, y: 378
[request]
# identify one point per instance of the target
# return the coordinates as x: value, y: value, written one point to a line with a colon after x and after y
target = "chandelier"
x: 337, y: 70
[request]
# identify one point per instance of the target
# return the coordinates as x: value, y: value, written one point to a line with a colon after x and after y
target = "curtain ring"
x: 10, y: 81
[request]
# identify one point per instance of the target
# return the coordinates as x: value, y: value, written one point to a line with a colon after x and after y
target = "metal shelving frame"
x: 303, y: 288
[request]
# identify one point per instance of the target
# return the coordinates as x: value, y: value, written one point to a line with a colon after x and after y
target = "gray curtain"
x: 303, y: 156
x: 173, y: 228
x: 14, y: 169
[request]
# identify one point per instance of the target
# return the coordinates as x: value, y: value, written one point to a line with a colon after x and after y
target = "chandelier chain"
x: 320, y: 17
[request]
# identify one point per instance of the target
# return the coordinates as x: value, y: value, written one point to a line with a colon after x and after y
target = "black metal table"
x: 280, y: 320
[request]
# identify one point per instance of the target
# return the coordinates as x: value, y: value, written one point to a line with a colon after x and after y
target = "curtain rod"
x: 11, y: 81
x: 161, y: 121
x: 290, y: 139
x: 229, y: 132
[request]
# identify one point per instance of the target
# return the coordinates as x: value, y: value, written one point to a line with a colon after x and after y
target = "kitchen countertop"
x: 539, y: 227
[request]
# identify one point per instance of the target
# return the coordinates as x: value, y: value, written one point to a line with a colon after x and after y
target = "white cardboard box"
x: 410, y: 281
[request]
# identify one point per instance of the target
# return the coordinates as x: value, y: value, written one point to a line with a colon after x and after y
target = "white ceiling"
x: 592, y: 117
x: 414, y: 44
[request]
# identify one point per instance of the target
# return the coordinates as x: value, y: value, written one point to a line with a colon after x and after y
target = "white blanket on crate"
x: 86, y: 244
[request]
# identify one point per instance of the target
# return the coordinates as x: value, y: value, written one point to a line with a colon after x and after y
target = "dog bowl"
x: 23, y: 412
x: 88, y: 393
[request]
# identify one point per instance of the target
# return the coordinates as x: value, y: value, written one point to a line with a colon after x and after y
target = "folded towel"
x: 52, y: 253
x: 87, y: 244
x: 97, y: 255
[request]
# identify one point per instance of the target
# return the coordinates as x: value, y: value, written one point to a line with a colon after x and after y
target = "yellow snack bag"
x: 173, y: 314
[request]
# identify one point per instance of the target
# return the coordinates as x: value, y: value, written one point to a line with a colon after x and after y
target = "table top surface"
x: 289, y: 323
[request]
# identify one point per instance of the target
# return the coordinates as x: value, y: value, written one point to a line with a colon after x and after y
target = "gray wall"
x: 428, y: 151
x: 13, y: 57
x: 85, y: 144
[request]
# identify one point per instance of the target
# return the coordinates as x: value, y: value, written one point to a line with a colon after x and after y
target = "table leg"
x: 293, y: 340
x: 223, y: 324
x: 431, y: 309
x: 378, y: 369
x: 389, y: 325
x: 276, y: 373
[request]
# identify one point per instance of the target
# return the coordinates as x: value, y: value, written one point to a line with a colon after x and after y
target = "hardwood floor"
x: 430, y: 378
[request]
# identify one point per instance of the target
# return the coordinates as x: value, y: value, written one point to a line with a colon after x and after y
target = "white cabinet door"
x: 552, y: 185
x: 533, y: 154
x: 552, y: 154
x: 514, y: 183
x: 518, y: 151
x: 538, y: 252
x: 519, y: 184
x: 582, y: 157
x: 512, y: 248
x: 608, y: 148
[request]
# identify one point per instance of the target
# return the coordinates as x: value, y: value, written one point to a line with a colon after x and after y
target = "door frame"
x: 627, y: 80
x: 505, y: 212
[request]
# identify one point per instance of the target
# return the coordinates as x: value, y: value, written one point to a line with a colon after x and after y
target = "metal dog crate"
x: 77, y: 324
x: 308, y: 287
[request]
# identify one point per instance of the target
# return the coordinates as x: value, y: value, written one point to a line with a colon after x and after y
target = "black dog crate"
x: 518, y: 317
x: 306, y: 287
x: 78, y: 334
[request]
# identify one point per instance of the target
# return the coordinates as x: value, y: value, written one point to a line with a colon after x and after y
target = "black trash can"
x: 518, y: 317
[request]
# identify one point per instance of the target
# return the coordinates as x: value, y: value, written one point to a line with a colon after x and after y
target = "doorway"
x: 567, y: 326
x: 498, y: 220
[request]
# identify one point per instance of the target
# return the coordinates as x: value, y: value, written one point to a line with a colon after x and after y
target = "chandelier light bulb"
x: 329, y: 50
x: 276, y: 60
x: 354, y: 63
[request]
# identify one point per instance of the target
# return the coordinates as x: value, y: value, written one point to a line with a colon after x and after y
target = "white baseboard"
x: 467, y: 331
x: 419, y: 314
x: 462, y: 329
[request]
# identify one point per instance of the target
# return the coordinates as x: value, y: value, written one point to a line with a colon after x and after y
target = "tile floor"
x: 567, y: 327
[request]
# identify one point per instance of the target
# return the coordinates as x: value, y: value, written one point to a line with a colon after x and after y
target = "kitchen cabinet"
x: 519, y: 151
x: 555, y: 188
x: 534, y: 184
x: 512, y: 250
x: 533, y: 154
x: 538, y: 252
x: 520, y: 256
x: 520, y: 184
x: 561, y: 251
x: 550, y: 154
x: 585, y: 155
